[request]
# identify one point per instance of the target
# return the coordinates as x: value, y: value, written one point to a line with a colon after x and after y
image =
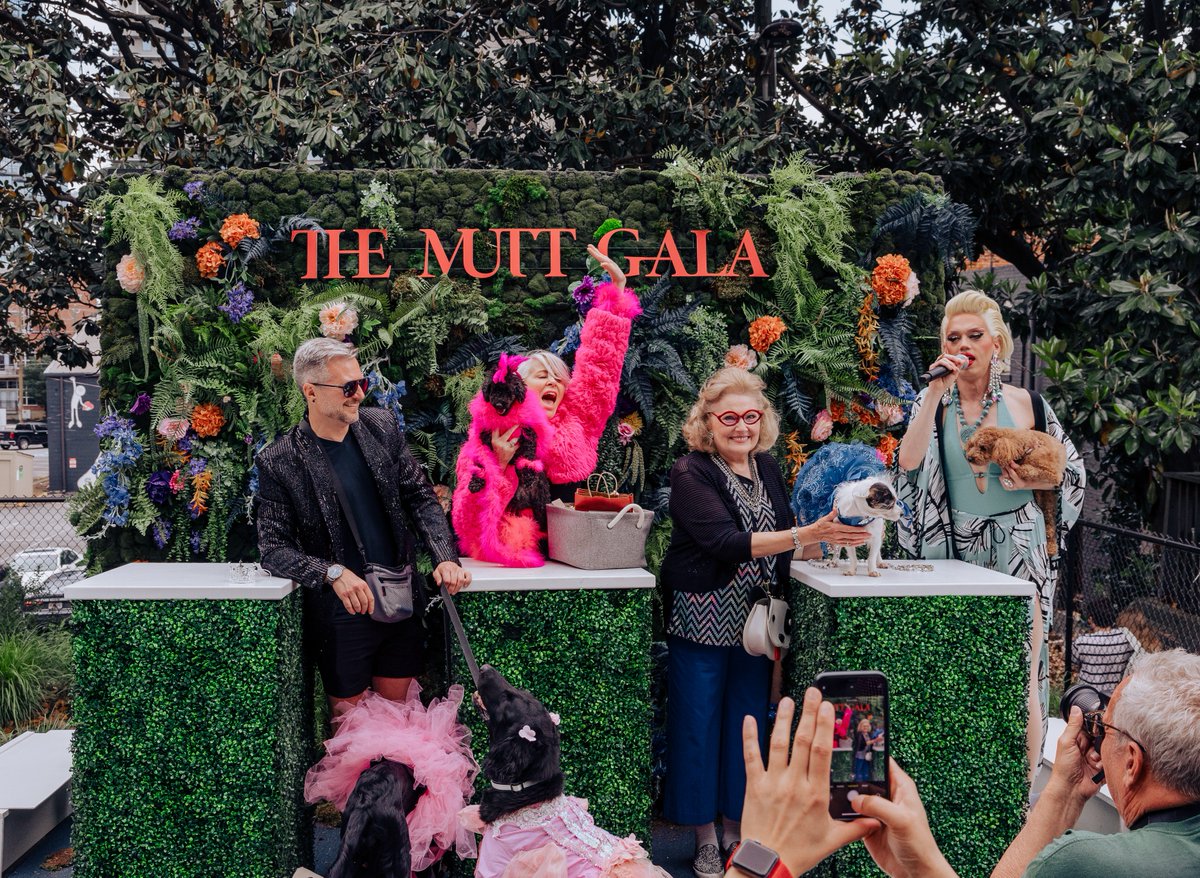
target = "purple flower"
x: 184, y: 230
x: 197, y: 465
x: 194, y: 189
x: 195, y: 542
x: 161, y: 532
x: 141, y: 405
x: 240, y: 301
x: 158, y: 487
x: 185, y: 441
x: 583, y: 294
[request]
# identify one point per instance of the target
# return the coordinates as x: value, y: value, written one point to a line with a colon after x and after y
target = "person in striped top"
x: 1102, y: 656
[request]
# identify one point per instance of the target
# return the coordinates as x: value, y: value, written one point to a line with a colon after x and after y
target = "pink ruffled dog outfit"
x: 555, y: 839
x: 429, y: 740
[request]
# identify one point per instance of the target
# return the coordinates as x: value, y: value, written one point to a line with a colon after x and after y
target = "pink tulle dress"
x: 555, y: 839
x: 429, y: 740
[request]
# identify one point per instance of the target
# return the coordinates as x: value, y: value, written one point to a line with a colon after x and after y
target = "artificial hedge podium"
x: 193, y: 734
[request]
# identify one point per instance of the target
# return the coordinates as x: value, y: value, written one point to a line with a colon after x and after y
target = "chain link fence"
x: 39, y: 551
x: 1147, y: 583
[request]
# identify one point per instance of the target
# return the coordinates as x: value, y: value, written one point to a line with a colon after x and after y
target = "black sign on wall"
x: 72, y: 412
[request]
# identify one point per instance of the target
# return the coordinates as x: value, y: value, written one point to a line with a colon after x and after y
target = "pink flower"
x: 527, y: 733
x: 882, y: 457
x: 624, y: 433
x: 130, y: 274
x: 554, y: 717
x: 177, y: 481
x: 338, y: 320
x: 912, y: 287
x: 822, y: 426
x: 890, y: 414
x: 173, y: 428
x: 741, y: 357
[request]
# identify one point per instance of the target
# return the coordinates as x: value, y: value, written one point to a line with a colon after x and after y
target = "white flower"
x: 527, y: 733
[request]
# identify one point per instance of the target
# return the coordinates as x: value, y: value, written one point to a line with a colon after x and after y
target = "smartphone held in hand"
x: 860, y: 737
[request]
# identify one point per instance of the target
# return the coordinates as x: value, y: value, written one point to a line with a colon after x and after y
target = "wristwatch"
x: 334, y: 571
x: 757, y: 860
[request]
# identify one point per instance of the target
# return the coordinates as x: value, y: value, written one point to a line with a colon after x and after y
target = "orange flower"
x: 864, y: 338
x: 238, y: 226
x: 210, y: 259
x: 887, y: 448
x: 837, y: 411
x: 865, y: 415
x: 765, y: 331
x: 794, y: 452
x: 890, y: 279
x: 201, y: 485
x: 207, y: 419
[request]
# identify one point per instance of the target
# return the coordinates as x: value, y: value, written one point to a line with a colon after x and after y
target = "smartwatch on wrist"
x: 757, y: 860
x: 334, y: 572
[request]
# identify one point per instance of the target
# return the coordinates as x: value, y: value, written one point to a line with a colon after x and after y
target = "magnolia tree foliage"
x: 1071, y: 130
x: 590, y: 85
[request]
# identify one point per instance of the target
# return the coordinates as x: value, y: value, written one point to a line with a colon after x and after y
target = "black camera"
x: 1086, y: 697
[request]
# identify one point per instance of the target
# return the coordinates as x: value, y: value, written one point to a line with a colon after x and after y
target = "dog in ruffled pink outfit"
x: 529, y: 828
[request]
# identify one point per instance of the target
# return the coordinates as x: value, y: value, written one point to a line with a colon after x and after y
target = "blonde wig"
x: 975, y: 302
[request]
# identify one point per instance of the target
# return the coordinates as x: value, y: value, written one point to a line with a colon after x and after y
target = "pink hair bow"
x: 508, y: 363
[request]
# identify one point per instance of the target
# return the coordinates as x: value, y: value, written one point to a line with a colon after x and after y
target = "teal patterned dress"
x: 999, y: 529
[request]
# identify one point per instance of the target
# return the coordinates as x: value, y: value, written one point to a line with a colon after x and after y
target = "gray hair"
x: 1160, y: 707
x: 311, y: 361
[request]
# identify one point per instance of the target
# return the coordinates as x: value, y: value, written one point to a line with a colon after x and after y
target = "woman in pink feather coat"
x: 578, y: 404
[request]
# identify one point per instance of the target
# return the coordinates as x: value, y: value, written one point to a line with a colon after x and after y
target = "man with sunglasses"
x: 304, y: 534
x: 1146, y: 747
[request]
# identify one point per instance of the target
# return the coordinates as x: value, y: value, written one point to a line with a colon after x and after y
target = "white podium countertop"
x: 554, y: 576
x: 166, y: 582
x: 911, y: 579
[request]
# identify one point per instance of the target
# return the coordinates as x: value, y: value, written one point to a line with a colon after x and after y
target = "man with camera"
x: 1146, y: 746
x: 340, y: 462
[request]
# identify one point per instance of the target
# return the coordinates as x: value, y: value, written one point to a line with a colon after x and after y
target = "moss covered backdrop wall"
x: 206, y: 304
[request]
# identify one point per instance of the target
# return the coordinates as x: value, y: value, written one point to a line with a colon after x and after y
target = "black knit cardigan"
x: 708, y: 540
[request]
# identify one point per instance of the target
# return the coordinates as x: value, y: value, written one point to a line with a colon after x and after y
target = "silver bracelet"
x: 796, y: 537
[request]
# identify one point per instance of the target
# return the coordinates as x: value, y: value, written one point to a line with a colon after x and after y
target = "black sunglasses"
x: 1095, y: 728
x: 348, y: 388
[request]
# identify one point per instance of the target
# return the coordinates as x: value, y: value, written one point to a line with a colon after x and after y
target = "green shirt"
x: 1160, y: 850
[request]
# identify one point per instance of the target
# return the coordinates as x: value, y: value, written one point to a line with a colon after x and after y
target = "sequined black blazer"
x: 297, y: 512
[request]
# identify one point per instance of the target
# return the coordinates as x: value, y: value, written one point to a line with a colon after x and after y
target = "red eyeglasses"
x: 348, y: 388
x: 730, y: 419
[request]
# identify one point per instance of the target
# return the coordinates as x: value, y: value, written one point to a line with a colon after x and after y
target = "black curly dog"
x: 533, y: 487
x: 375, y: 841
x: 513, y: 760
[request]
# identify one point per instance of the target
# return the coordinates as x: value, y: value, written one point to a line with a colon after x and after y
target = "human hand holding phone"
x: 903, y: 844
x: 787, y: 802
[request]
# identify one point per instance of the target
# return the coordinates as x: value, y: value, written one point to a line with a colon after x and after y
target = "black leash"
x: 463, y: 644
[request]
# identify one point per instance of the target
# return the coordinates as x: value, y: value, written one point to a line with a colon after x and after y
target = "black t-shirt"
x: 362, y: 494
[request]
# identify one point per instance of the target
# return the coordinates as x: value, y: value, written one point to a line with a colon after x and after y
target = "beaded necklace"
x: 753, y: 497
x: 966, y: 430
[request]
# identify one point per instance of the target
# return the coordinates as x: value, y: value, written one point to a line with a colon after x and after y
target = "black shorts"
x: 350, y: 649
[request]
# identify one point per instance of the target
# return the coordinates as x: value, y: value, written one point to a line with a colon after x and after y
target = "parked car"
x: 36, y: 566
x: 48, y: 599
x: 23, y: 434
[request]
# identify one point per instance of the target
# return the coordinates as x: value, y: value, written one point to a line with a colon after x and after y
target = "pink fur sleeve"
x: 592, y: 393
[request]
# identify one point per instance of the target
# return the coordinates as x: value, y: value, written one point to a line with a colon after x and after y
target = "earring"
x: 994, y: 378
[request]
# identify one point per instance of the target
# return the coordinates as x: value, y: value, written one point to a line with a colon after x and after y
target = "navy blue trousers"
x: 709, y: 690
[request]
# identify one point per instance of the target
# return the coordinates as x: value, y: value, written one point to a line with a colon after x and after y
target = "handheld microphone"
x: 939, y: 370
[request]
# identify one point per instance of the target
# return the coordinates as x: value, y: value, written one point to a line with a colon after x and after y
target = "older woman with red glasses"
x: 732, y: 541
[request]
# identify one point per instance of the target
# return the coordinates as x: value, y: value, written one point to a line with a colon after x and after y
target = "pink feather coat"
x: 485, y: 529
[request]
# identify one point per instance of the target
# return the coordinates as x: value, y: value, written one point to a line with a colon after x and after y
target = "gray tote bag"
x: 598, y: 540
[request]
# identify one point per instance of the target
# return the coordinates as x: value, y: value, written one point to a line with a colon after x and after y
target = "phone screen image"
x: 860, y: 737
